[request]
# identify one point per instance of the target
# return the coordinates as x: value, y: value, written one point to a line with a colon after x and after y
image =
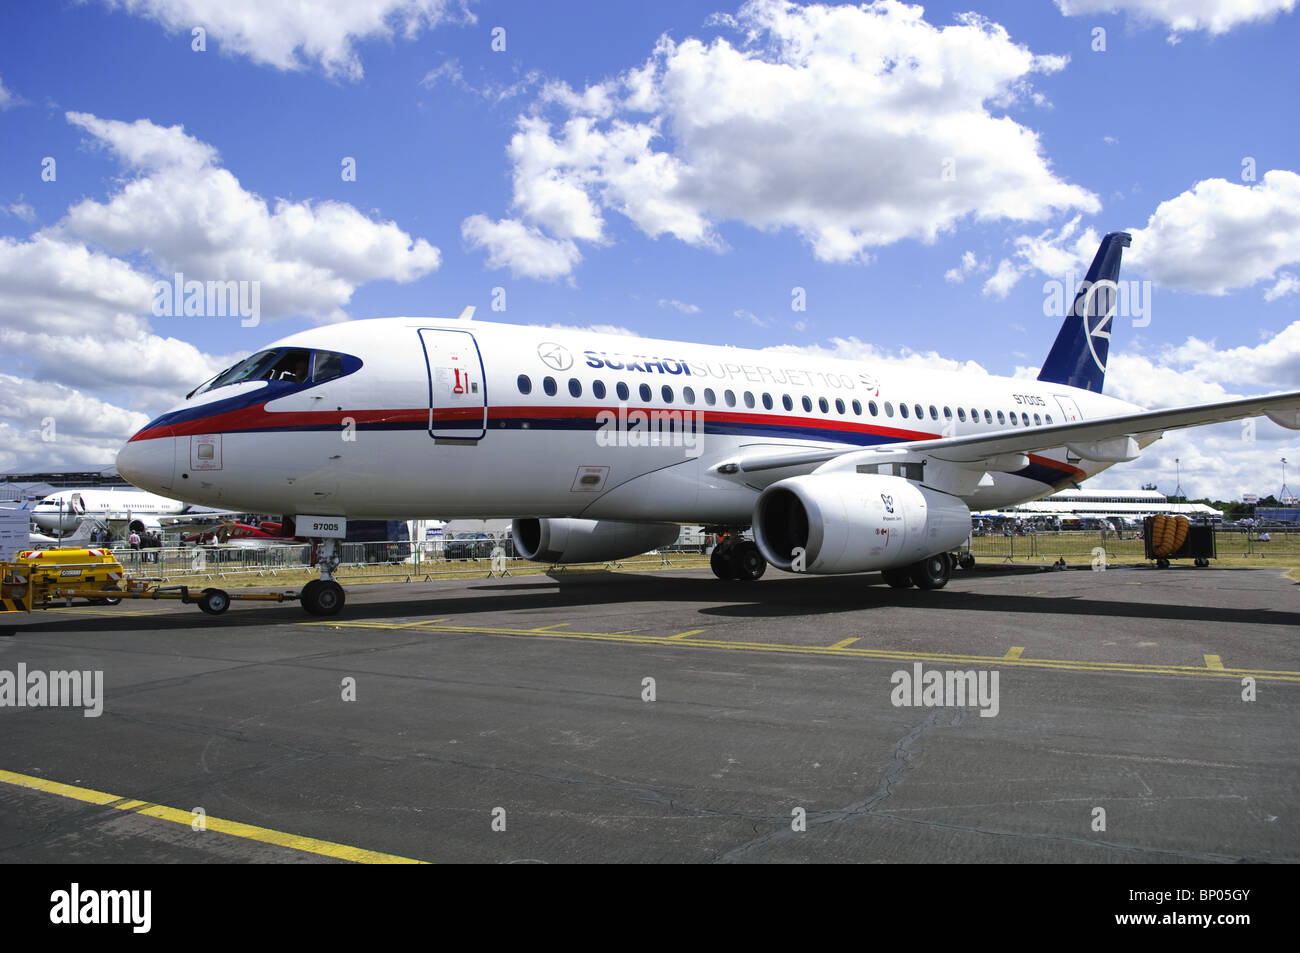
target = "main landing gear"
x: 324, y: 596
x: 933, y: 572
x: 737, y: 560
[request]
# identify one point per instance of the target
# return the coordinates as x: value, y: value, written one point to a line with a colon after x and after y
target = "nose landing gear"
x: 324, y: 596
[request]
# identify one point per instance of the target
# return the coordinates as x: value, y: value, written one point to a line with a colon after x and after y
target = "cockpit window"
x: 327, y: 366
x: 295, y: 365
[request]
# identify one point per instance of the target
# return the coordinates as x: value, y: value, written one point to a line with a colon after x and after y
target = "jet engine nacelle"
x: 588, y: 541
x: 855, y: 522
x: 144, y: 524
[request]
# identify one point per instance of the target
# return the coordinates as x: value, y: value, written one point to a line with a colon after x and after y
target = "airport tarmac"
x: 510, y: 720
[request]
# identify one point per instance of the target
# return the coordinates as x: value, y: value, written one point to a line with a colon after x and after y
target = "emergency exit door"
x: 457, y: 389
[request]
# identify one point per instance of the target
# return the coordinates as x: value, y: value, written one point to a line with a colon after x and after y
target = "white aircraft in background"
x: 598, y: 446
x: 64, y: 511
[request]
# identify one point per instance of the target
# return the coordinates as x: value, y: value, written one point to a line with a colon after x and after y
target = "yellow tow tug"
x: 51, y: 578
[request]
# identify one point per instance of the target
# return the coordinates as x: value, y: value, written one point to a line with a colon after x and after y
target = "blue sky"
x: 677, y: 170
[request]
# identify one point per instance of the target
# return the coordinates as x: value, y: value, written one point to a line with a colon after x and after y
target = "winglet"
x: 1078, y: 358
x: 467, y: 314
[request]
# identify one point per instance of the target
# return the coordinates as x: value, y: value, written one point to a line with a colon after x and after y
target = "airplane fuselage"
x: 434, y: 418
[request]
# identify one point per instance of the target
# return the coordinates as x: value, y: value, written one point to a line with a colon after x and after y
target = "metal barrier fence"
x: 401, y: 557
x: 1081, y: 544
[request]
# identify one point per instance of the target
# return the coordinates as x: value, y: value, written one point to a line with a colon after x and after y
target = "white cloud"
x: 1001, y: 282
x: 1185, y: 16
x: 1286, y: 284
x: 836, y: 122
x: 1220, y: 235
x: 521, y: 248
x: 291, y: 34
x: 189, y: 215
x: 681, y: 306
x: 969, y: 263
x: 20, y: 210
x: 854, y: 349
x: 751, y: 317
x: 7, y: 98
x: 72, y: 413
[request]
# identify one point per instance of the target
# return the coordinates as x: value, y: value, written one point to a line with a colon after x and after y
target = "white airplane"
x: 598, y: 446
x: 63, y: 512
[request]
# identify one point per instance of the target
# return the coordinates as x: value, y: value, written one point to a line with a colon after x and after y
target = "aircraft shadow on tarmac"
x: 765, y: 599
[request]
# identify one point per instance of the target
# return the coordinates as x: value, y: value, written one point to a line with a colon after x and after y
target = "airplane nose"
x: 149, y: 464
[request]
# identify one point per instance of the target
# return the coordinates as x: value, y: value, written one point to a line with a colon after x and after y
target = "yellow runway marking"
x: 845, y: 643
x: 1214, y: 663
x: 1014, y: 652
x: 684, y: 635
x: 1068, y: 665
x: 548, y: 628
x: 233, y: 828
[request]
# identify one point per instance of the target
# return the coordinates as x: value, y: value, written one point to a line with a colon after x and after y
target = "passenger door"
x: 457, y: 385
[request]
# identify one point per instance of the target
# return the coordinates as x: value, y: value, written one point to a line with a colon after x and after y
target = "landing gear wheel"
x: 748, y: 562
x: 722, y: 563
x: 932, y: 572
x: 1162, y: 563
x: 966, y: 561
x: 214, y: 601
x: 322, y: 597
x: 897, y: 578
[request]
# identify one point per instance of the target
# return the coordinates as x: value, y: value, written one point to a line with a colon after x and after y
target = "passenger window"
x: 1049, y: 418
x: 902, y: 409
x: 1002, y: 418
x: 548, y: 385
x: 920, y: 414
x: 621, y: 389
x: 988, y: 417
x: 646, y: 393
x: 824, y: 407
x: 934, y: 413
x: 709, y: 397
x: 1037, y: 420
x: 889, y: 409
x: 786, y: 402
x: 767, y: 401
x: 575, y: 387
x: 1024, y: 419
x: 598, y: 389
x: 1014, y: 419
x: 961, y: 414
x: 749, y: 399
x: 871, y: 406
x: 730, y: 397
x: 839, y: 406
x: 807, y: 405
x: 668, y: 394
x: 688, y: 394
x: 947, y: 413
x: 525, y: 384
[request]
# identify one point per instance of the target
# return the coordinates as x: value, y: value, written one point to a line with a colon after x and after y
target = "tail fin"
x: 1078, y: 358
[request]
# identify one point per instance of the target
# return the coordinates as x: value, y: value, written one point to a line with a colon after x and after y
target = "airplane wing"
x: 1106, y: 437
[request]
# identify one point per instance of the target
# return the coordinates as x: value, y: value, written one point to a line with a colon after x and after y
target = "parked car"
x: 468, y: 546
